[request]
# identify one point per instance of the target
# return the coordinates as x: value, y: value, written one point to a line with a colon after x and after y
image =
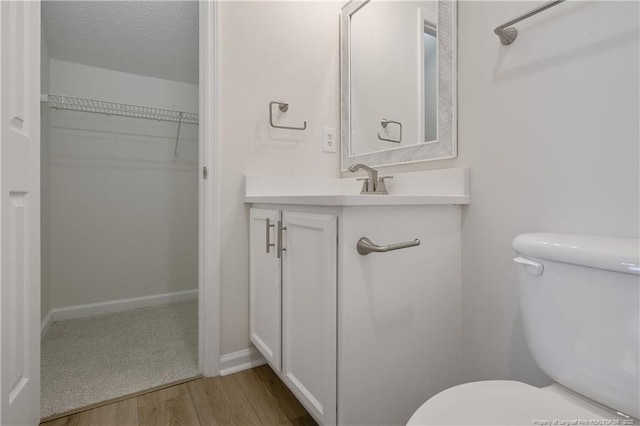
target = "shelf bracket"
x: 175, y: 150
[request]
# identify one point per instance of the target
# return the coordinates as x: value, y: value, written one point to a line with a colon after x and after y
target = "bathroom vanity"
x: 366, y: 338
x: 345, y: 330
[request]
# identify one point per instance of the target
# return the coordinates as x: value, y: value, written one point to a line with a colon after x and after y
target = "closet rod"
x: 74, y: 103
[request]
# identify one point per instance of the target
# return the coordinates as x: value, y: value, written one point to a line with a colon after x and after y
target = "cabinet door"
x: 265, y: 291
x: 309, y: 311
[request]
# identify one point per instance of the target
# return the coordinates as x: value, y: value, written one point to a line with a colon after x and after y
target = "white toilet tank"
x: 580, y: 298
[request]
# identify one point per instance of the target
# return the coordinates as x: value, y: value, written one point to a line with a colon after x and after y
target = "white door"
x: 20, y: 212
x: 265, y: 294
x: 309, y: 311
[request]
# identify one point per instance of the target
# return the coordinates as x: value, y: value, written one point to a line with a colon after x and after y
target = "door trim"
x: 209, y: 195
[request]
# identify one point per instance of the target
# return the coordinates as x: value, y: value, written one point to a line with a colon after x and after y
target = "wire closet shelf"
x: 73, y: 103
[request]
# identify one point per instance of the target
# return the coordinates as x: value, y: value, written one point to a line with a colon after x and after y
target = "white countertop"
x: 434, y: 187
x: 358, y: 200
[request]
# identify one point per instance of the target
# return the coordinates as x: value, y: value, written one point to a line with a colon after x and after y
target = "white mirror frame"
x: 446, y: 145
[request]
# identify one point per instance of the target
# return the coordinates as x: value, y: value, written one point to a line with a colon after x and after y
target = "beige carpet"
x: 94, y: 359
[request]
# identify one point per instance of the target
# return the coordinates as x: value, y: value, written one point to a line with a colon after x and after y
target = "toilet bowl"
x: 504, y: 402
x: 579, y: 297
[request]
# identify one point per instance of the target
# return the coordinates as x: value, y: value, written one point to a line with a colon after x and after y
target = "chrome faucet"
x: 371, y: 184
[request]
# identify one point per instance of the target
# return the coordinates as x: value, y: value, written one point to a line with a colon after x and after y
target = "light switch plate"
x: 329, y: 139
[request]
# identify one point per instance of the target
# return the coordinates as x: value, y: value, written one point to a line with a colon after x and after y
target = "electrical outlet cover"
x: 329, y: 139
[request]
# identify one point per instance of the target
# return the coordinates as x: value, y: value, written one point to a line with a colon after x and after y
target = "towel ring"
x: 284, y: 107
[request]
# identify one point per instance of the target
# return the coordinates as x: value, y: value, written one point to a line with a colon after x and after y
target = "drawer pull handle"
x: 365, y: 246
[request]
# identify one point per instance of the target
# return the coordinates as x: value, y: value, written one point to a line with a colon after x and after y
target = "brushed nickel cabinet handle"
x: 280, y: 249
x: 365, y: 246
x: 269, y: 243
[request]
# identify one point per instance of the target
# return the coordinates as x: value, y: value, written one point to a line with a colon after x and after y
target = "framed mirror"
x: 398, y: 81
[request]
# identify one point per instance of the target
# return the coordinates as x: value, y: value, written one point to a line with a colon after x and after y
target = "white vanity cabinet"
x: 359, y: 339
x: 293, y: 302
x: 346, y: 331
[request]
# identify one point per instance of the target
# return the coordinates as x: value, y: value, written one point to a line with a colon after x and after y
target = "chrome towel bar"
x: 508, y: 34
x: 284, y: 107
x: 365, y: 246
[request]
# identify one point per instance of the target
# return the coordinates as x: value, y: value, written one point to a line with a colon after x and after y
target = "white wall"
x: 45, y: 172
x: 124, y: 215
x: 549, y: 129
x: 269, y: 51
x: 73, y: 79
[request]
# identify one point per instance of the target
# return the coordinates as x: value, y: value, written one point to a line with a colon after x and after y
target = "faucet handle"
x: 381, y: 188
x: 365, y: 185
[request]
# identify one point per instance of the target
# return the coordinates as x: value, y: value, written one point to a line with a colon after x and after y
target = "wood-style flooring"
x: 251, y: 397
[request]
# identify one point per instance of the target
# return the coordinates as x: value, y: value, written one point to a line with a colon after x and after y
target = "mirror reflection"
x: 430, y: 96
x: 393, y: 75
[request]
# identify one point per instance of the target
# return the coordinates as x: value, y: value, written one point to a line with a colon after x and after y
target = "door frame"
x: 209, y: 194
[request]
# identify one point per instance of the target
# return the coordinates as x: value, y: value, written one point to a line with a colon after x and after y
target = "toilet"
x: 579, y: 298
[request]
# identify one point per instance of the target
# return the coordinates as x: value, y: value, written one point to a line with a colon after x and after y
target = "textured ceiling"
x: 151, y: 38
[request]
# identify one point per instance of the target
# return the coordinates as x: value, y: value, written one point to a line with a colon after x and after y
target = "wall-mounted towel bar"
x: 508, y: 34
x: 365, y: 246
x: 284, y: 107
x: 384, y: 123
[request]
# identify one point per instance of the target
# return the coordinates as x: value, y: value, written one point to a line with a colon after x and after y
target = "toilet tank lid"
x: 594, y: 251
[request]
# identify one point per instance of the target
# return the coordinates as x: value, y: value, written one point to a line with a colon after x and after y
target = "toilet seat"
x: 503, y: 402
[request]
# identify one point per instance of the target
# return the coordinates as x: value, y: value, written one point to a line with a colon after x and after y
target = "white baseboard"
x: 45, y: 325
x: 81, y: 311
x: 241, y: 360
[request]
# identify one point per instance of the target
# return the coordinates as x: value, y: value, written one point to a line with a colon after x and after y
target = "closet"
x: 119, y: 176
